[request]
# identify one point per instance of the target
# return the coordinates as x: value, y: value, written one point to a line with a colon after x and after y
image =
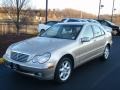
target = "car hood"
x: 40, y: 45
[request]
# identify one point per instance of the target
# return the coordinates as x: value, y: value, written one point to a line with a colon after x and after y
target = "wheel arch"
x: 109, y: 45
x: 64, y: 56
x: 68, y: 56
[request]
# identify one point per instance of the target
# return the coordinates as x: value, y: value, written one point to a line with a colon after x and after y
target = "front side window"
x: 88, y: 32
x: 63, y: 31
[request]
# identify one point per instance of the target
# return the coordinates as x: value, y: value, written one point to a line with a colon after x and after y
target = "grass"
x: 1, y: 60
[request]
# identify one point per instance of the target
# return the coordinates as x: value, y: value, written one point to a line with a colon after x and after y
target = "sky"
x: 90, y: 6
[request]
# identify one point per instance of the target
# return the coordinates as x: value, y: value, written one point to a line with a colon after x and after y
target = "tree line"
x: 19, y: 11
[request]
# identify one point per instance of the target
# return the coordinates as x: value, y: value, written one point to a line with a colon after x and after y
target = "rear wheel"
x: 63, y: 70
x: 106, y: 53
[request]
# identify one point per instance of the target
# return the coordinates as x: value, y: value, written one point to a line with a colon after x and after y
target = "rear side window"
x: 97, y: 31
x: 102, y: 31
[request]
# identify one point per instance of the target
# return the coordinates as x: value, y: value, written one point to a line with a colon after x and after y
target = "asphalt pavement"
x: 94, y: 75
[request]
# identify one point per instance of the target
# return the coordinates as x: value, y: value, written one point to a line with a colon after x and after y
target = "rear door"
x: 99, y: 39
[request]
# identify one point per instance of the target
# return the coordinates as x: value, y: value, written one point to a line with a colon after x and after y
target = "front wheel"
x: 106, y: 53
x: 63, y: 70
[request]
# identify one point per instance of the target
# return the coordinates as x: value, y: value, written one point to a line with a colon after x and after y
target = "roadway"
x: 94, y: 75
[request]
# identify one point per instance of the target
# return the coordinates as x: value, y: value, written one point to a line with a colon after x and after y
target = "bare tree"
x: 14, y: 10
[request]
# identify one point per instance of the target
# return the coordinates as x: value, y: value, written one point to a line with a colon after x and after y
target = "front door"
x: 86, y: 49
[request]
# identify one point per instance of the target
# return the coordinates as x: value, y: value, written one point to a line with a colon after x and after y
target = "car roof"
x: 53, y: 21
x: 83, y: 20
x: 74, y: 18
x: 78, y: 23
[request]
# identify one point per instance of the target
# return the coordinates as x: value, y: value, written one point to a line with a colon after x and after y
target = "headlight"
x: 8, y: 53
x: 41, y: 58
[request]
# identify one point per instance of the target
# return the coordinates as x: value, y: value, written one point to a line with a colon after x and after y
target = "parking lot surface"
x: 94, y: 75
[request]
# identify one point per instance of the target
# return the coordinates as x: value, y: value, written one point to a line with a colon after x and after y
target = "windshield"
x: 63, y: 31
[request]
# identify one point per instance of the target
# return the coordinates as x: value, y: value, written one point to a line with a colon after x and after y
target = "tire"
x: 106, y: 53
x: 63, y: 70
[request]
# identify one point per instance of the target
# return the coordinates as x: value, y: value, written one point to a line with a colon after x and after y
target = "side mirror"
x: 85, y: 39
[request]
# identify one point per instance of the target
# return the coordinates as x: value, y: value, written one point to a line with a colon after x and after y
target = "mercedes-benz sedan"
x: 59, y: 50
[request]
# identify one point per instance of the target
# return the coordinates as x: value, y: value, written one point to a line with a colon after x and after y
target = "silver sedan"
x: 59, y: 50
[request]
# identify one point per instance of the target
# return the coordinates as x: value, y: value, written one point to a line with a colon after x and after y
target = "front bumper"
x: 45, y: 73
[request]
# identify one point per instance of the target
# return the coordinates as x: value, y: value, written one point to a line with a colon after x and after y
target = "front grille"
x: 19, y: 57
